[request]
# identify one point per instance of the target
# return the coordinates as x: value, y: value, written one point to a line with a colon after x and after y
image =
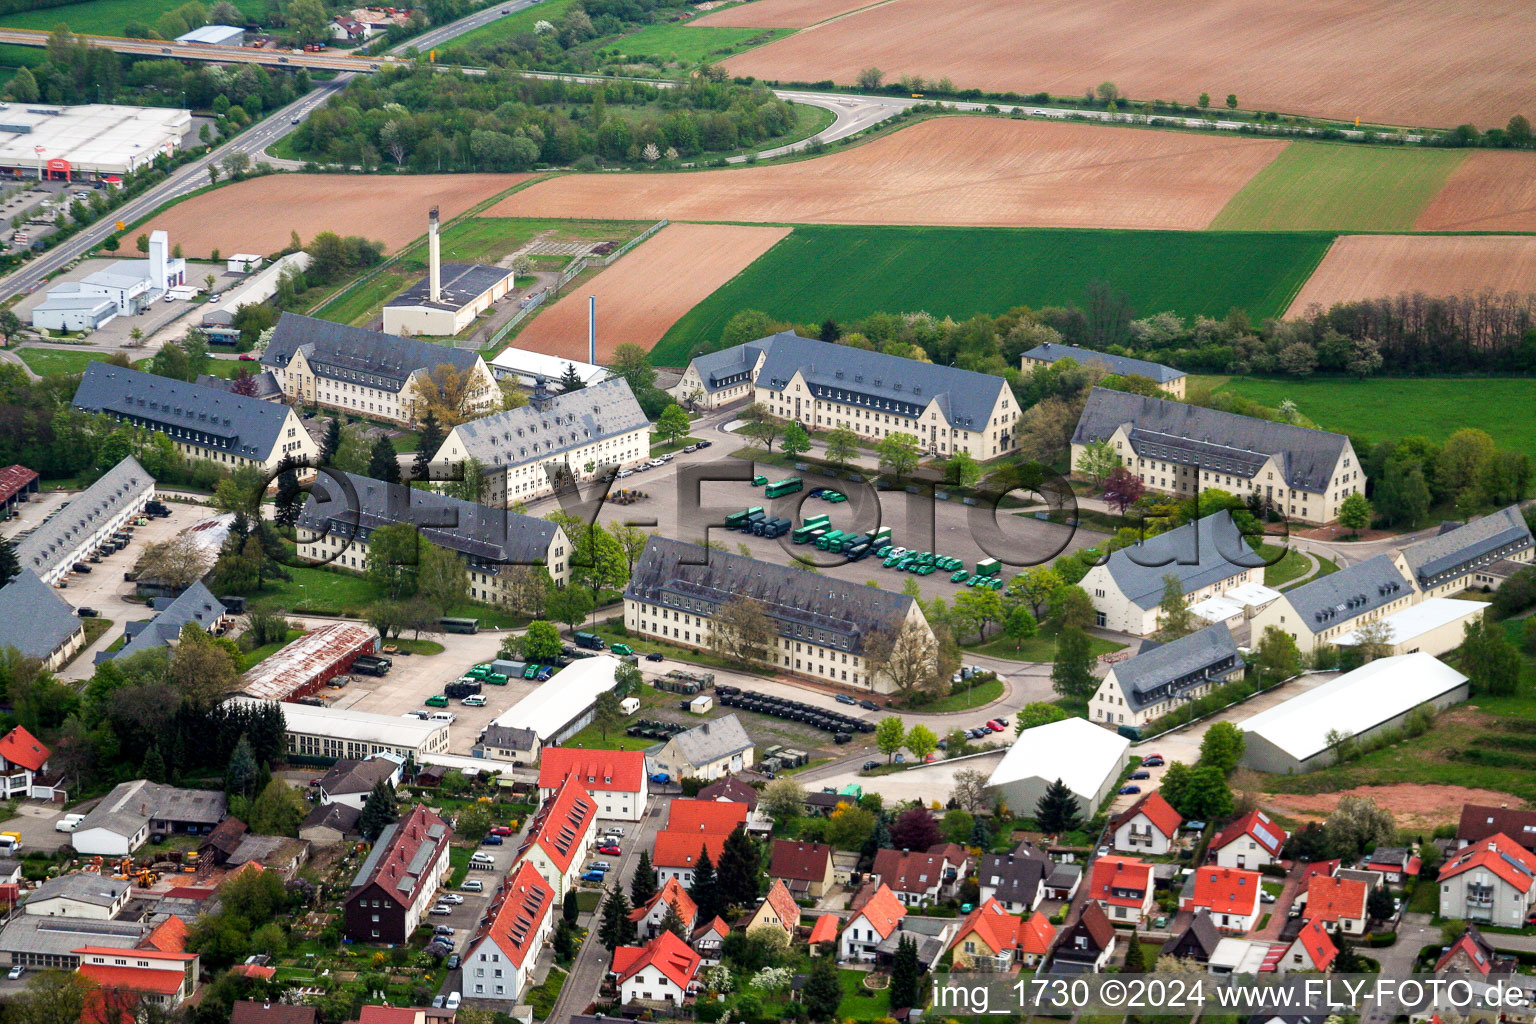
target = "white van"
x: 442, y: 716
x: 68, y: 823
x: 474, y: 700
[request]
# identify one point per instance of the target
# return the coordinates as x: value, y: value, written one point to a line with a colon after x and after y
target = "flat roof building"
x: 334, y: 733
x: 86, y: 521
x: 1165, y: 377
x: 1295, y: 736
x: 1325, y: 608
x: 1082, y: 755
x: 532, y: 369
x: 1435, y: 625
x: 94, y: 139
x: 214, y: 35
x: 448, y: 299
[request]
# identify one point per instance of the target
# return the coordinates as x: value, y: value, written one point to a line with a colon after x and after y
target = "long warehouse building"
x: 308, y: 663
x: 553, y: 713
x: 331, y: 733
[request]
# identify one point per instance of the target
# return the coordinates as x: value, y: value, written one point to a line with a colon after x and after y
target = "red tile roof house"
x: 1492, y: 881
x: 708, y: 938
x: 1312, y: 951
x: 676, y: 854
x: 1122, y: 886
x: 1339, y: 902
x: 1149, y: 826
x: 1397, y: 864
x: 870, y: 925
x: 805, y: 867
x: 502, y: 954
x: 560, y: 835
x: 1472, y: 954
x: 1251, y: 842
x: 706, y: 817
x: 162, y: 979
x: 399, y: 878
x: 648, y: 916
x: 1036, y: 935
x: 615, y: 778
x: 988, y: 939
x: 1229, y: 895
x: 23, y: 767
x: 778, y: 911
x: 919, y: 879
x: 664, y: 970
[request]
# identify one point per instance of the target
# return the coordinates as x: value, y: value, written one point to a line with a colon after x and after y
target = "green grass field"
x: 1316, y: 186
x: 847, y: 272
x: 107, y: 17
x: 56, y: 361
x: 512, y: 24
x: 1432, y: 407
x: 689, y: 45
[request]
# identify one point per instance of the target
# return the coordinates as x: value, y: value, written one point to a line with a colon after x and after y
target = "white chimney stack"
x: 592, y: 329
x: 434, y: 261
x: 159, y: 252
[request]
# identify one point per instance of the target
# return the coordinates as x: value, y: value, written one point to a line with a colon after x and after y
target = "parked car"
x: 705, y: 444
x: 454, y: 999
x: 615, y: 831
x: 869, y: 705
x: 600, y: 865
x: 453, y: 899
x: 1152, y: 761
x: 438, y: 1001
x: 999, y: 724
x: 625, y: 472
x: 661, y: 777
x: 1193, y: 826
x: 1266, y: 897
x: 1102, y: 851
x: 472, y: 884
x: 1141, y: 775
x: 442, y: 929
x: 441, y: 910
x: 86, y: 613
x: 1129, y: 790
x: 16, y: 972
x: 501, y: 830
x: 654, y: 656
x: 870, y: 766
x: 453, y: 962
x: 843, y: 698
x: 609, y: 850
x: 593, y: 876
x: 481, y: 857
x: 492, y: 841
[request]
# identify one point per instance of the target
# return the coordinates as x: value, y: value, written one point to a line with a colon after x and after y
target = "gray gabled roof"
x: 341, y: 817
x: 804, y: 606
x: 713, y: 740
x: 195, y: 604
x: 1013, y: 877
x: 1201, y: 929
x: 350, y: 775
x: 1219, y: 441
x: 1456, y: 552
x: 509, y: 737
x: 1125, y: 366
x: 491, y: 538
x: 372, y: 358
x: 459, y: 285
x: 549, y: 425
x: 247, y: 427
x: 131, y: 805
x: 1198, y: 553
x: 874, y: 380
x: 267, y: 386
x: 1348, y: 593
x: 728, y: 367
x: 83, y: 887
x: 119, y: 487
x: 61, y: 936
x: 34, y: 619
x: 1187, y: 661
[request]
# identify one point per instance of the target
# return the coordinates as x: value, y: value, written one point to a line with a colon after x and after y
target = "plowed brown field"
x: 1422, y: 62
x: 780, y: 13
x: 1376, y: 266
x: 259, y: 215
x: 644, y: 293
x: 1488, y: 191
x: 1415, y: 806
x: 963, y: 171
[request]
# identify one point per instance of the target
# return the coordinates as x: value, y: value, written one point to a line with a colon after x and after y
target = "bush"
x: 1381, y: 939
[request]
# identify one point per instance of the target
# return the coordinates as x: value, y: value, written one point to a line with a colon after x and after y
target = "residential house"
x: 24, y: 766
x: 1163, y: 675
x: 1471, y: 954
x: 709, y: 750
x: 922, y: 878
x: 195, y: 605
x: 1251, y: 842
x: 501, y: 956
x: 128, y: 815
x: 1302, y: 474
x: 1196, y: 942
x: 398, y: 880
x: 560, y: 834
x: 732, y: 789
x: 988, y: 939
x: 806, y: 868
x: 1016, y: 882
x: 249, y: 1011
x: 1166, y: 378
x: 329, y: 824
x: 1036, y: 936
x: 676, y: 854
x: 368, y: 373
x: 1063, y: 881
x: 1479, y: 821
x: 1229, y: 895
x: 1337, y: 902
x: 615, y: 778
x: 499, y: 546
x: 349, y: 781
x: 778, y: 911
x: 231, y: 430
x: 870, y: 924
x: 85, y: 522
x: 708, y: 938
x: 1207, y: 557
x: 525, y: 453
x: 705, y: 817
x: 650, y: 916
x: 1396, y: 864
x: 1490, y: 881
x: 1336, y: 605
x: 1149, y: 826
x: 664, y: 970
x: 38, y: 623
x: 821, y: 623
x: 1086, y: 945
x: 1311, y: 951
x: 1458, y: 557
x: 158, y: 978
x: 868, y: 392
x: 1123, y: 886
x: 79, y: 894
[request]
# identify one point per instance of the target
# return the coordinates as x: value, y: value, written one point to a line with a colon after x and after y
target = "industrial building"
x: 219, y: 318
x: 331, y: 733
x: 536, y: 369
x: 1165, y: 377
x: 214, y: 35
x: 307, y: 664
x: 1087, y: 758
x: 126, y: 817
x: 1300, y: 735
x: 449, y: 298
x: 562, y: 707
x: 88, y: 520
x: 129, y: 286
x: 17, y: 484
x: 92, y: 141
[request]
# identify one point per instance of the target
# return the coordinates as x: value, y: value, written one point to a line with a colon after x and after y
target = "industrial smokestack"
x: 592, y: 329
x: 434, y: 261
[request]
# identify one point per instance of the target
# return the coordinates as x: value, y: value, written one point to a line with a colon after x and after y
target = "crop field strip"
x: 108, y: 17
x: 1373, y: 266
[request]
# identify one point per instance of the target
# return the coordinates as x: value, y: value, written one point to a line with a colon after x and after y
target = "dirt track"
x: 1417, y: 807
x: 1434, y: 62
x: 780, y: 13
x: 259, y: 215
x: 1488, y: 191
x: 644, y: 293
x: 1375, y: 266
x: 964, y: 171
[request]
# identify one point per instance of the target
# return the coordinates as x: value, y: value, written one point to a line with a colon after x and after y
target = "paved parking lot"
x: 34, y: 822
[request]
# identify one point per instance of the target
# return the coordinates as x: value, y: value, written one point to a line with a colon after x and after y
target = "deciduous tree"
x: 1072, y: 674
x: 899, y: 452
x: 741, y: 632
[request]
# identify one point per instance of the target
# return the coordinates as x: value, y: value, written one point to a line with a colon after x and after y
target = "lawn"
x: 842, y: 272
x: 688, y: 45
x: 1382, y: 407
x: 108, y: 17
x: 1337, y: 187
x: 859, y: 1003
x: 50, y: 362
x: 1289, y: 567
x: 317, y: 591
x: 505, y: 28
x: 964, y: 698
x: 362, y: 302
x: 592, y: 738
x: 542, y: 997
x: 1040, y: 647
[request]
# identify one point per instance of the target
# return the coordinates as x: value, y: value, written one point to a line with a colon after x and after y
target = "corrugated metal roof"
x: 294, y: 666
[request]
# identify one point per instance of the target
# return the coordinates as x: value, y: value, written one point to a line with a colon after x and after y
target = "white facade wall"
x: 1140, y: 836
